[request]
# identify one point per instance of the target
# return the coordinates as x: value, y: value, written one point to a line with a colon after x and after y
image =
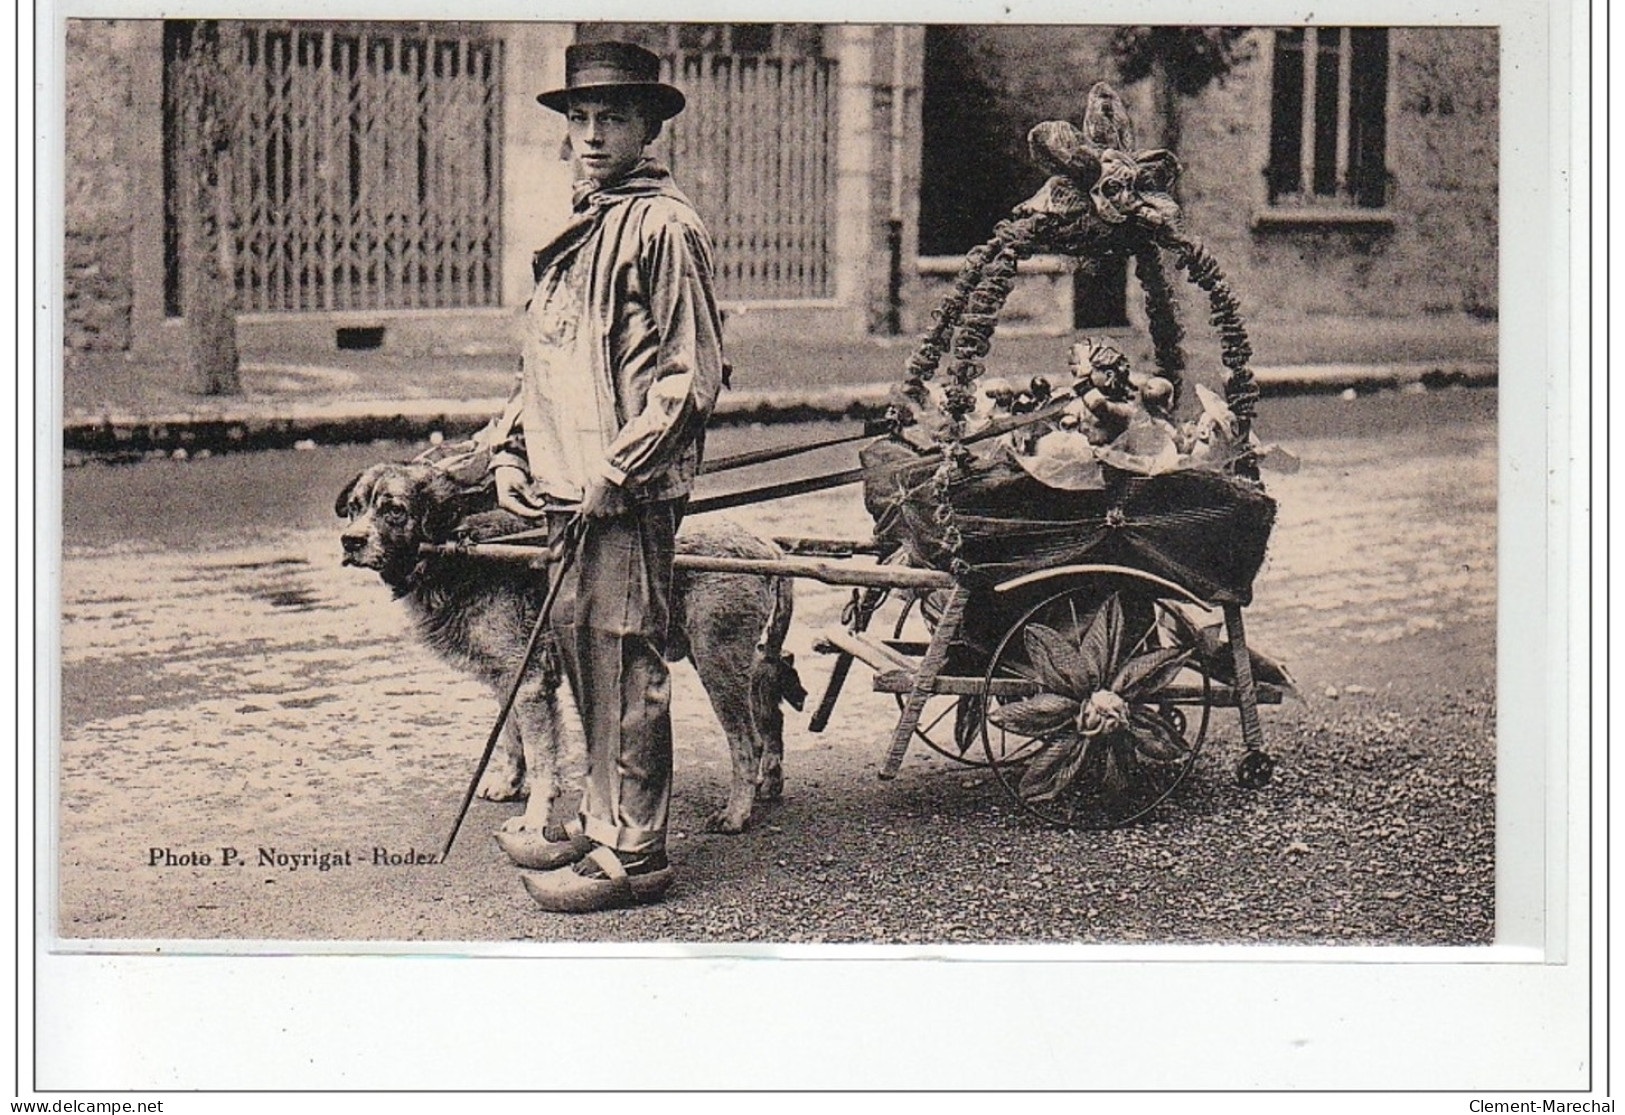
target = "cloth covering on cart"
x: 1204, y: 530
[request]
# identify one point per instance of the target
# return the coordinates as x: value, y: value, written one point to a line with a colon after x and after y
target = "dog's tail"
x: 783, y: 682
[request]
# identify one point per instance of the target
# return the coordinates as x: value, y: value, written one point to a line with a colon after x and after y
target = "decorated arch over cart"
x: 1088, y: 527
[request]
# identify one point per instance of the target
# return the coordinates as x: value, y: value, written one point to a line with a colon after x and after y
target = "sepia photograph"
x: 961, y: 548
x: 778, y: 483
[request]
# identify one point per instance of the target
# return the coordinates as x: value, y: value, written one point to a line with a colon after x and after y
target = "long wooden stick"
x: 865, y: 607
x: 729, y: 500
x: 925, y: 680
x: 574, y: 534
x: 1252, y: 732
x: 777, y: 453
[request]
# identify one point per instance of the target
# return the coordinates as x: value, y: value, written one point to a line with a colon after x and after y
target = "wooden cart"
x: 961, y: 654
x: 958, y: 653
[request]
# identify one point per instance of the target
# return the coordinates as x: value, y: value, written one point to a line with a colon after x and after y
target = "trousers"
x: 611, y: 623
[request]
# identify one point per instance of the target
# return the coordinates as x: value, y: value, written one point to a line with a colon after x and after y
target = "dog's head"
x: 393, y: 509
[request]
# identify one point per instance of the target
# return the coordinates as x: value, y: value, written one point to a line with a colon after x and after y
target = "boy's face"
x: 608, y: 135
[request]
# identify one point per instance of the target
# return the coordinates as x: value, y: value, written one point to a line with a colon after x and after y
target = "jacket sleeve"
x: 675, y: 260
x: 505, y: 436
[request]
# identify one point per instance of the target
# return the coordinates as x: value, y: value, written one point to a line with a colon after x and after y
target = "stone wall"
x: 1444, y: 153
x: 96, y: 272
x: 1435, y: 252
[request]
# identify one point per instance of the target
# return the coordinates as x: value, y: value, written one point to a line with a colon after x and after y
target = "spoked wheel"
x: 1093, y: 713
x: 949, y: 725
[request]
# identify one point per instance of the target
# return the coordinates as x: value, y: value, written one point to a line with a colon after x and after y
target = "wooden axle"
x: 952, y: 685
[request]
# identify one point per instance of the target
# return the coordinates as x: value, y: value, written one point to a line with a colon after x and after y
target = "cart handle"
x: 1073, y: 570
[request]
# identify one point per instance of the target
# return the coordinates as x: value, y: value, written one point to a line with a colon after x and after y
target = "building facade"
x: 1336, y: 172
x: 385, y: 184
x: 388, y: 183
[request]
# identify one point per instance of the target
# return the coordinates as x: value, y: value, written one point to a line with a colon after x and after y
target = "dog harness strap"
x: 778, y: 453
x: 852, y: 476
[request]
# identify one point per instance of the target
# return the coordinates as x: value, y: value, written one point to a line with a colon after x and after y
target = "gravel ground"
x: 1378, y: 830
x: 256, y: 695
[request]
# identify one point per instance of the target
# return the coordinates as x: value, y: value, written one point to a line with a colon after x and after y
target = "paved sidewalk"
x: 114, y: 408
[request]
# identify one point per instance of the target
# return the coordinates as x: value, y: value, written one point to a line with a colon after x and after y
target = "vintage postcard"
x: 1093, y: 446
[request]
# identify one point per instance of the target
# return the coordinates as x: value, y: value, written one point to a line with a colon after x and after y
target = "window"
x: 1328, y: 117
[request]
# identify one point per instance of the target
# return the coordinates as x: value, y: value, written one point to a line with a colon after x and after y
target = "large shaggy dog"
x: 477, y: 614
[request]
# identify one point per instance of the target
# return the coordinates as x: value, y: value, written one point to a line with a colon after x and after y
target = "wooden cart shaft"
x: 843, y: 571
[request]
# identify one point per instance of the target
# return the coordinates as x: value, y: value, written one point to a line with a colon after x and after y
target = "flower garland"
x: 1162, y: 311
x: 971, y: 311
x: 1013, y: 241
x: 1235, y: 351
x: 964, y: 324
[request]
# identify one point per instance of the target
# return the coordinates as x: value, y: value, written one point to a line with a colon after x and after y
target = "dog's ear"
x: 341, y: 506
x: 446, y: 502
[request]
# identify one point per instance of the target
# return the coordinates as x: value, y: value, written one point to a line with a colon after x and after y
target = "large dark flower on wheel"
x: 1096, y: 701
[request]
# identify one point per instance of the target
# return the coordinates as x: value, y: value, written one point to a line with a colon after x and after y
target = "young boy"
x: 622, y: 366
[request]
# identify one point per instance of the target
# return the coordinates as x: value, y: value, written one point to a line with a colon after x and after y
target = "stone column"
x: 854, y: 161
x: 906, y: 76
x: 535, y: 183
x: 209, y: 85
x: 877, y: 194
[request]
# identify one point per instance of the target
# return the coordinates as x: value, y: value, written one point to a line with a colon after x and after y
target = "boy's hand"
x: 513, y: 493
x: 602, y: 499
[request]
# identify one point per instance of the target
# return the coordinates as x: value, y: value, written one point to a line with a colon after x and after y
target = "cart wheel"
x: 1086, y: 702
x: 1255, y: 770
x: 954, y: 738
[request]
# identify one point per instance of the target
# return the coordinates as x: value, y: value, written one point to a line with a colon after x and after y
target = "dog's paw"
x: 731, y: 818
x: 772, y: 787
x: 726, y: 822
x: 502, y: 782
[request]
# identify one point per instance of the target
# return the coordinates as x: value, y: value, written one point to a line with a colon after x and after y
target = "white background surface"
x: 1522, y: 1016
